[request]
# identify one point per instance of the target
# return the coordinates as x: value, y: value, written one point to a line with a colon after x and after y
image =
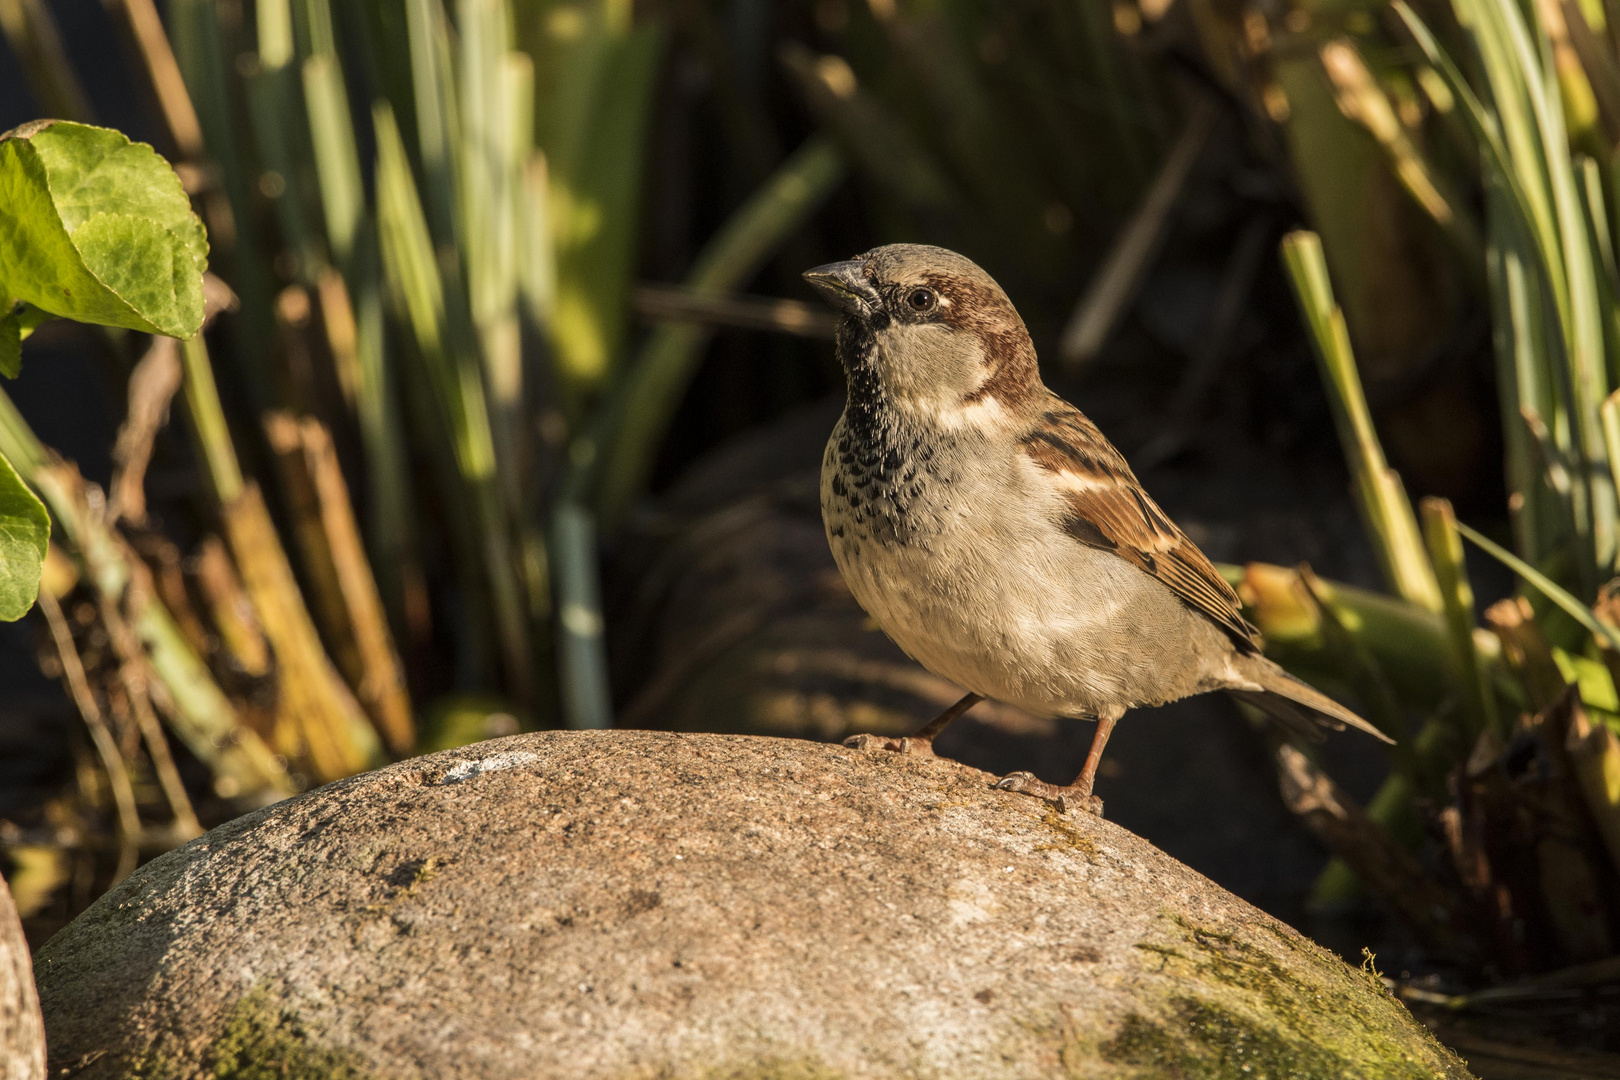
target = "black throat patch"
x: 881, y: 463
x: 868, y: 413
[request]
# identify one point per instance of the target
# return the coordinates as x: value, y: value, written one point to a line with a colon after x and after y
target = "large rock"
x: 651, y: 905
x: 22, y: 1035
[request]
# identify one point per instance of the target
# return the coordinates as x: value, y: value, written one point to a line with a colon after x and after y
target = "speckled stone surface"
x: 653, y: 905
x: 22, y: 1034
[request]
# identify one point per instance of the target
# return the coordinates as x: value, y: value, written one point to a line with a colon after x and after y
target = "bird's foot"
x: 906, y: 744
x: 1064, y: 798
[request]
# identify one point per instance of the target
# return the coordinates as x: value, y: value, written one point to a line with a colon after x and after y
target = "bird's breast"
x: 888, y: 491
x: 922, y: 537
x: 964, y: 566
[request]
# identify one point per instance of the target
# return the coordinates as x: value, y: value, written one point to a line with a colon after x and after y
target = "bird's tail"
x: 1298, y: 707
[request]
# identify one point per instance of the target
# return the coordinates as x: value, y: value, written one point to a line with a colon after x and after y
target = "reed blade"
x: 1391, y: 524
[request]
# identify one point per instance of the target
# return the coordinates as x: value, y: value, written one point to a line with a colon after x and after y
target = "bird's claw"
x: 1065, y: 799
x: 904, y: 745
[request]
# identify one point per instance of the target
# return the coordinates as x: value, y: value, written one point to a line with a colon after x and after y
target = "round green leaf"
x: 98, y: 229
x: 25, y: 530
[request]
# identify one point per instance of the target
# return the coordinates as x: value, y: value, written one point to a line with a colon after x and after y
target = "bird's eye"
x: 920, y: 299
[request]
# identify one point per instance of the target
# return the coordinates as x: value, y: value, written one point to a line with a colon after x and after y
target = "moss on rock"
x: 1244, y: 1011
x: 265, y: 1040
x: 1202, y: 1041
x: 262, y: 1039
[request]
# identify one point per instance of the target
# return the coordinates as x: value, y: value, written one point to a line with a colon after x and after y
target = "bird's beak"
x: 845, y: 287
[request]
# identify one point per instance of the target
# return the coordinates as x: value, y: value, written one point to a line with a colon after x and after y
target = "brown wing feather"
x: 1109, y: 510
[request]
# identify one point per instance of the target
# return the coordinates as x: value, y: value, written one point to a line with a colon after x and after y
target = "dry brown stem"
x: 117, y: 770
x: 347, y: 601
x: 317, y: 718
x: 1388, y: 870
x: 152, y: 386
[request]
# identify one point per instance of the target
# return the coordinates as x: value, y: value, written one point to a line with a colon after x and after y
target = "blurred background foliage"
x: 491, y: 275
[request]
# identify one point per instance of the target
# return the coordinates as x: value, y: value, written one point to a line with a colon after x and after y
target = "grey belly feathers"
x: 959, y: 555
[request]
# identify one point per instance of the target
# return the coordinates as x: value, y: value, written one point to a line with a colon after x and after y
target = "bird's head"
x: 930, y: 332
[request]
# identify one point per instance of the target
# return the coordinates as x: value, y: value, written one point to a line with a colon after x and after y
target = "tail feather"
x: 1300, y: 708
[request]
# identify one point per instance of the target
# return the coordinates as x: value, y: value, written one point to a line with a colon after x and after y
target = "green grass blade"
x: 495, y: 91
x: 389, y: 538
x: 1551, y: 367
x: 407, y: 246
x: 318, y: 37
x: 1493, y: 151
x: 273, y: 22
x: 1545, y: 585
x: 208, y: 421
x: 1583, y: 383
x: 416, y: 277
x: 537, y: 272
x: 200, y: 49
x: 1390, y: 521
x: 337, y: 160
x: 1521, y: 343
x: 274, y: 100
x: 434, y: 98
x: 1587, y: 383
x: 1446, y: 555
x: 1511, y: 111
x: 581, y: 656
x: 1600, y: 239
x: 1611, y: 431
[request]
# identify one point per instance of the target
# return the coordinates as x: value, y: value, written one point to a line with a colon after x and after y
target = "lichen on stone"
x: 1069, y: 837
x: 1202, y: 1041
x: 1260, y: 1017
x: 265, y: 1040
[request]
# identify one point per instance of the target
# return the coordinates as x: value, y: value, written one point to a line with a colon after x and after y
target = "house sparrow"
x: 1000, y: 539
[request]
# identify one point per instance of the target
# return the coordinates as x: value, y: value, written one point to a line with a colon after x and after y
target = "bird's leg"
x: 1077, y: 794
x: 921, y: 741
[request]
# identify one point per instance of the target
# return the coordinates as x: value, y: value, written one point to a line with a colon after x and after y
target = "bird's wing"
x: 1109, y: 510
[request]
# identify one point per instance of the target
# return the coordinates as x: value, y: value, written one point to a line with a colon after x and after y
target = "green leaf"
x: 98, y: 229
x: 14, y: 330
x: 1594, y: 680
x: 1546, y: 586
x: 25, y: 530
x: 10, y: 346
